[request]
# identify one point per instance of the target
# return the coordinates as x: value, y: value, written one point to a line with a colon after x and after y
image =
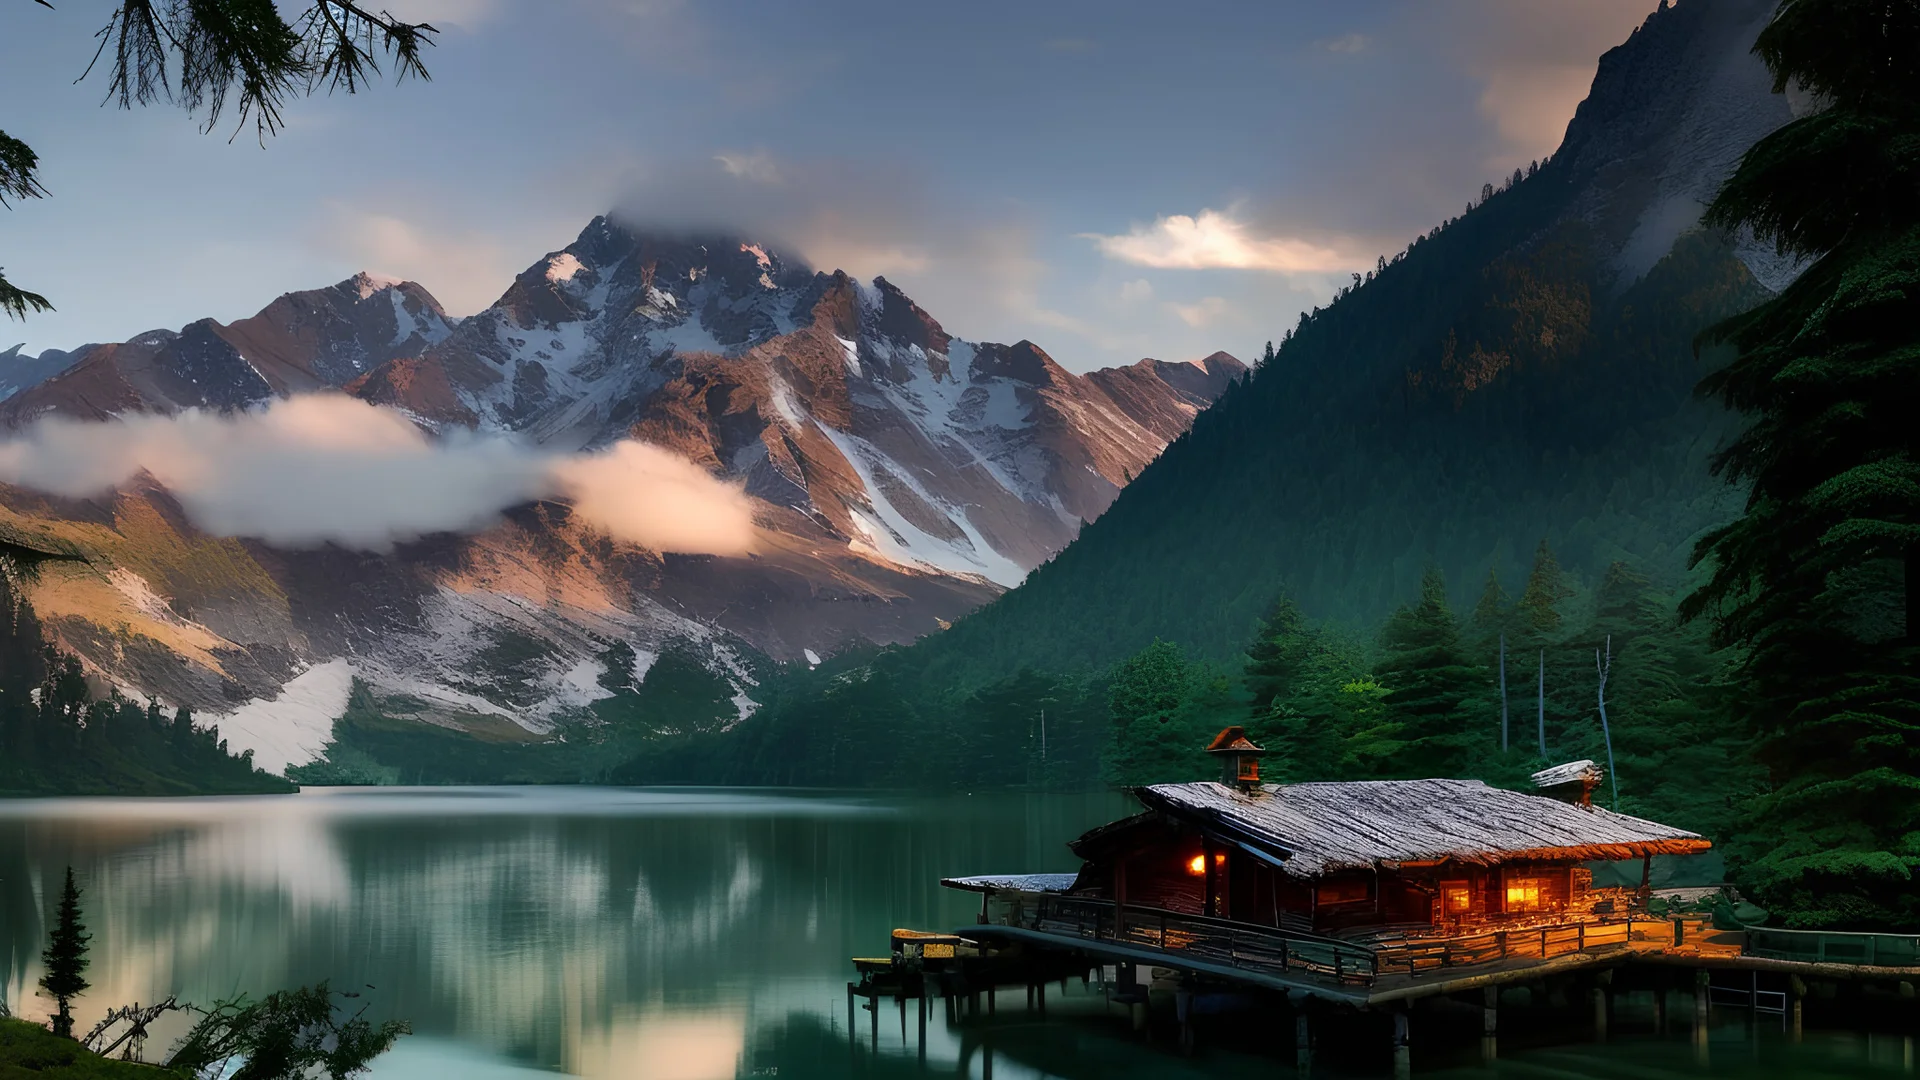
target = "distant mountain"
x: 302, y: 341
x: 19, y: 372
x: 1523, y: 371
x: 901, y: 477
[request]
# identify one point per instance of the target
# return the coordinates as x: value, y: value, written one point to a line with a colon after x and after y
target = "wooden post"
x: 921, y: 1042
x: 1660, y: 1011
x: 1600, y: 1014
x: 1402, y: 1050
x: 1490, y: 1023
x: 1302, y: 1042
x: 1040, y: 990
x: 984, y: 897
x: 873, y: 1020
x: 1183, y: 1012
x: 990, y: 1001
x: 1798, y: 988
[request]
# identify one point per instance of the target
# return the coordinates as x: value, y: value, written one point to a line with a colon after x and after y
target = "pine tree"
x: 1279, y: 655
x: 1819, y: 579
x: 65, y: 958
x: 1433, y: 689
x: 1155, y: 737
x: 1539, y: 607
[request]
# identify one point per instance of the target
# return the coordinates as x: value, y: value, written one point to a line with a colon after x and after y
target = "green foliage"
x: 1163, y: 711
x: 1818, y: 581
x: 288, y: 1035
x: 65, y: 957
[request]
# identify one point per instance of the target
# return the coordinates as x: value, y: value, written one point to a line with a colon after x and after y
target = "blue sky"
x: 1112, y: 180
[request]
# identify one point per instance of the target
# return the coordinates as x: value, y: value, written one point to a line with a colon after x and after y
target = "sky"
x: 1108, y: 179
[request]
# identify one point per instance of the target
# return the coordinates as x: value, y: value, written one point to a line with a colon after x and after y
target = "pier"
x: 1380, y: 906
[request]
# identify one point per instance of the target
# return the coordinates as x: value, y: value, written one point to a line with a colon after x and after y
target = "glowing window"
x: 1197, y: 865
x: 1523, y: 894
x: 1455, y: 897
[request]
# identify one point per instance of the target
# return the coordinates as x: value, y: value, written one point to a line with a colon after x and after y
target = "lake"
x: 676, y: 934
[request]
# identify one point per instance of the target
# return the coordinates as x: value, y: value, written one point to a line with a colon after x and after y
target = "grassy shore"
x: 29, y: 1050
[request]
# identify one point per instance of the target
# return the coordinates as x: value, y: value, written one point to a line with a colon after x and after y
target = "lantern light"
x: 1197, y: 865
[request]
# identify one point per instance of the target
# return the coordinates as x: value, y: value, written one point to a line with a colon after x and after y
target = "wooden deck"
x: 1385, y: 968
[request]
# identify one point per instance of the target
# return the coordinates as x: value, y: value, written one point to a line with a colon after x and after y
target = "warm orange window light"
x: 1456, y: 898
x: 1197, y: 865
x: 1523, y: 894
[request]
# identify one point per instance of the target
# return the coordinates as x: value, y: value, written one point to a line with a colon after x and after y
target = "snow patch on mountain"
x: 294, y: 726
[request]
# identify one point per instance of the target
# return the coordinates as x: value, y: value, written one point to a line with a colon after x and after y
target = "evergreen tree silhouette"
x: 65, y: 958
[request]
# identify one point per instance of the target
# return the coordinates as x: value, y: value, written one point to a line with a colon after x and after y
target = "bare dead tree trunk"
x: 1606, y: 669
x: 1503, y: 693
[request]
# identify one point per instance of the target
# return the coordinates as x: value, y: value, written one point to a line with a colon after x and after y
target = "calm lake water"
x: 646, y: 934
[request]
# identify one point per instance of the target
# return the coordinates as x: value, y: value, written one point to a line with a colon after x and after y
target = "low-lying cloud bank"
x: 322, y: 468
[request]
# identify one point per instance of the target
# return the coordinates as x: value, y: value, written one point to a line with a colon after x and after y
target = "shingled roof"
x: 1317, y: 829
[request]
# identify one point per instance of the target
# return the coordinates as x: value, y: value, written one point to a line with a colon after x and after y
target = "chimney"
x: 1239, y: 758
x: 1573, y: 782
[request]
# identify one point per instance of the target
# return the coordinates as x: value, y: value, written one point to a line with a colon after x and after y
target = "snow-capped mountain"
x: 837, y: 402
x: 899, y: 477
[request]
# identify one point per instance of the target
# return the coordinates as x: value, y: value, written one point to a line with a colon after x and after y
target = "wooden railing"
x: 1419, y: 956
x: 1223, y: 941
x: 1277, y: 951
x: 1830, y: 947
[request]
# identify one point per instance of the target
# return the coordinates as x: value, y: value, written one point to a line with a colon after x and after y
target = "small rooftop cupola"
x: 1573, y: 782
x: 1239, y: 758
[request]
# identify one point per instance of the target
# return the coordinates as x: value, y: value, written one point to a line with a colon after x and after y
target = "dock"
x: 1375, y: 905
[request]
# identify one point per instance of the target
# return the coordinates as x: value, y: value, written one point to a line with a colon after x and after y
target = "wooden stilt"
x: 1600, y: 1013
x: 1490, y: 1023
x: 922, y: 1039
x: 1183, y: 1012
x: 1660, y: 1011
x: 1402, y: 1046
x: 1302, y: 1043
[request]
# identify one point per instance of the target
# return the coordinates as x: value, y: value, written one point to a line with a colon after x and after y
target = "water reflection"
x: 609, y: 933
x: 654, y: 935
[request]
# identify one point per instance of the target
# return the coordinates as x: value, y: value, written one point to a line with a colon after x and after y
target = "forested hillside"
x: 1511, y: 375
x: 58, y: 737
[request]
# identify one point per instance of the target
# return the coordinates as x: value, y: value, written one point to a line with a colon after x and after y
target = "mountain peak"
x: 366, y: 283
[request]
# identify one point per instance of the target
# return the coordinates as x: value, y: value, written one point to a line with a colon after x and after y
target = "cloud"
x: 1346, y: 44
x: 758, y: 166
x: 464, y: 270
x: 322, y: 468
x: 1216, y: 240
x: 972, y: 266
x: 1137, y: 291
x: 1202, y: 312
x: 1535, y: 63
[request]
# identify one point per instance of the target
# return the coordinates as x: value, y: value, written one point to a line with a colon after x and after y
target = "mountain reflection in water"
x: 648, y: 934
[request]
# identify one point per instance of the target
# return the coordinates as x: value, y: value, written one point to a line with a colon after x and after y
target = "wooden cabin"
x: 1413, y: 856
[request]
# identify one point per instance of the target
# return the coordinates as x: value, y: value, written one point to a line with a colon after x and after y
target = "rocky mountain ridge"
x: 899, y: 476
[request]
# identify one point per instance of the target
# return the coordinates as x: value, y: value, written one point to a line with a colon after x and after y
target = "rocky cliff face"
x: 900, y: 477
